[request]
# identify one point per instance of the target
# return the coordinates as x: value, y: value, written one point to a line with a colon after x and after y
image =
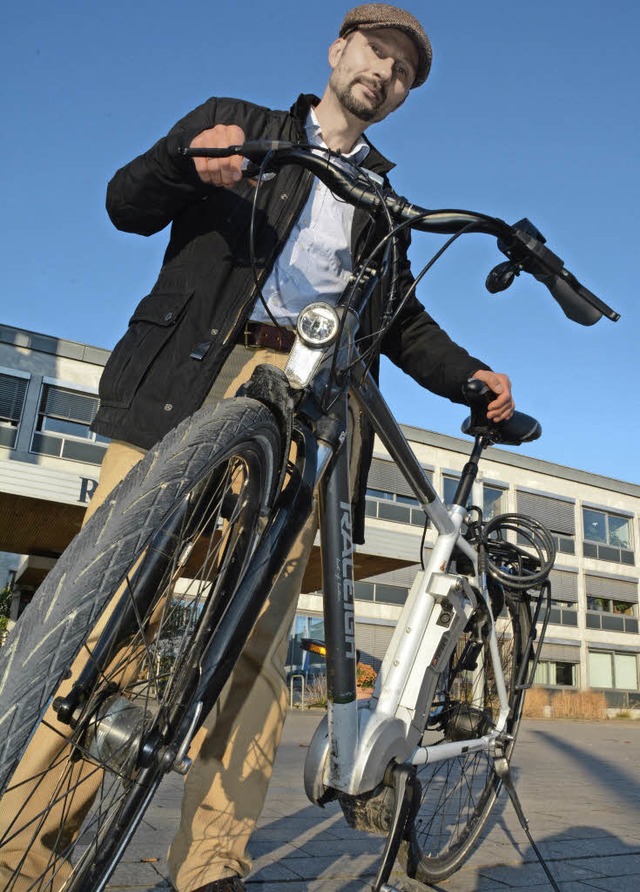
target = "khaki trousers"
x: 235, y: 749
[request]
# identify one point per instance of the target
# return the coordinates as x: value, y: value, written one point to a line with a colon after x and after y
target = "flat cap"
x: 369, y: 16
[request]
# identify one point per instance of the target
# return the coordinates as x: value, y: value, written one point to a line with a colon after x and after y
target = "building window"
x: 12, y: 393
x: 607, y: 536
x: 303, y: 661
x: 563, y: 613
x: 608, y: 605
x: 564, y: 594
x: 394, y: 506
x: 611, y: 670
x: 555, y: 673
x: 389, y: 496
x: 556, y: 514
x: 612, y: 604
x: 612, y: 616
x: 493, y: 501
x: 380, y: 592
x: 449, y: 487
x: 63, y: 426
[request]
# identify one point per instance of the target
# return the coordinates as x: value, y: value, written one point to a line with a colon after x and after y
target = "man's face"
x: 372, y: 72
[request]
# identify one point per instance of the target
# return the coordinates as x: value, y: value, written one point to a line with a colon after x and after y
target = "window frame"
x: 11, y: 423
x: 612, y: 654
x: 50, y: 434
x: 607, y: 550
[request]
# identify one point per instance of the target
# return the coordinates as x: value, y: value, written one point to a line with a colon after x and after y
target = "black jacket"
x: 180, y: 335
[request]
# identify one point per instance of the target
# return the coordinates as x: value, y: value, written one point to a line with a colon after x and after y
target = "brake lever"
x: 525, y: 248
x: 502, y: 276
x: 252, y: 171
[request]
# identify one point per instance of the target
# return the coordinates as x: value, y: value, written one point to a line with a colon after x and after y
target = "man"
x: 202, y: 330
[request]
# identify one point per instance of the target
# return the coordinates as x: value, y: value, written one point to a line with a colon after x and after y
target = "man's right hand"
x: 219, y: 171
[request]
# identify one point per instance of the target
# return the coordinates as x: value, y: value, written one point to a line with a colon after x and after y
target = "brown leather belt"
x: 258, y: 335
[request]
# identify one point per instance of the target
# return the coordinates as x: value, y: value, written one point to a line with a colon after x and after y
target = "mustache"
x: 379, y: 89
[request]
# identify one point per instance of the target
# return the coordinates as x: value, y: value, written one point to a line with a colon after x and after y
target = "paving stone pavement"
x: 579, y: 783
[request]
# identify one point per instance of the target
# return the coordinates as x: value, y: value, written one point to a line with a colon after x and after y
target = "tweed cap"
x: 382, y: 15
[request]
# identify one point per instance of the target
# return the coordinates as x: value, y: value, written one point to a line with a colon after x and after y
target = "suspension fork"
x: 338, y: 590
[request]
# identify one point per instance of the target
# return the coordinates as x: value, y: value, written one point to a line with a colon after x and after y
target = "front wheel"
x: 128, y: 609
x: 457, y: 795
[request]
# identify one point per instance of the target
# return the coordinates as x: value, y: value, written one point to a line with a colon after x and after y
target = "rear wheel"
x: 164, y: 556
x: 458, y: 794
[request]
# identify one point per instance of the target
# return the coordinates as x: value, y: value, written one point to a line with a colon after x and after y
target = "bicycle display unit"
x: 131, y: 638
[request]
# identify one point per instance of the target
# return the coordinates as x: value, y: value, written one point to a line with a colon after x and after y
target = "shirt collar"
x: 314, y: 135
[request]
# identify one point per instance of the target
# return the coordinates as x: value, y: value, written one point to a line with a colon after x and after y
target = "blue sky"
x: 531, y: 110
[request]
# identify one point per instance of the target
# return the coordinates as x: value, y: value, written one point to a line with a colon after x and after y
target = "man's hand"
x: 219, y: 171
x: 502, y: 407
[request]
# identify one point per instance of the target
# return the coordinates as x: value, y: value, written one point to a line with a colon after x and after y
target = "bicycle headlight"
x: 318, y: 325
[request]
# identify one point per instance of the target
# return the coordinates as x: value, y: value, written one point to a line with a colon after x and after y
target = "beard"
x: 366, y: 112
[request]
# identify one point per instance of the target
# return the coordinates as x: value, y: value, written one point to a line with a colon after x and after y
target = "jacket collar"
x: 300, y: 109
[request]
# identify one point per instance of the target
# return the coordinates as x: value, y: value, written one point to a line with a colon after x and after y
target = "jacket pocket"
x: 150, y: 328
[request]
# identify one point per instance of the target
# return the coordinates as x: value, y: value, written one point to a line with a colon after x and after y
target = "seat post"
x: 470, y: 471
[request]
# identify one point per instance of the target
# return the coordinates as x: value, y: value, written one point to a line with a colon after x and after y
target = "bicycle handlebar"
x: 522, y: 243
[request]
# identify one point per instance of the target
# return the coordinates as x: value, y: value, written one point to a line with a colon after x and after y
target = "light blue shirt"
x: 315, y: 263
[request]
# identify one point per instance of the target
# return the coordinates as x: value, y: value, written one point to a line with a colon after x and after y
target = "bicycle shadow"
x: 582, y: 857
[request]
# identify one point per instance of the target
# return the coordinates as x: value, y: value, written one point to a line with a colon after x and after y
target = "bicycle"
x: 161, y: 588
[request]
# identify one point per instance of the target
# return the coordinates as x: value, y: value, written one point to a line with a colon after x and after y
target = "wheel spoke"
x: 458, y: 794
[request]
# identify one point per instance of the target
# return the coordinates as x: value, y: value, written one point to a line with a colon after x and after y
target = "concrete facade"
x: 48, y: 388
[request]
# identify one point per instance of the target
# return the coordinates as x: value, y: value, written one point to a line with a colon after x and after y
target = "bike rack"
x: 302, y: 688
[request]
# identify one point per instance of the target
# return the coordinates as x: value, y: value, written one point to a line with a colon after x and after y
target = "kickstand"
x: 406, y: 791
x: 503, y: 771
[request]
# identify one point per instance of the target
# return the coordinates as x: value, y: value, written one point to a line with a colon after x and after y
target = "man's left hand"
x: 502, y: 407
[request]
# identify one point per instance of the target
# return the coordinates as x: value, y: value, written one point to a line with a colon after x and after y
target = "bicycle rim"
x: 88, y: 795
x: 457, y: 795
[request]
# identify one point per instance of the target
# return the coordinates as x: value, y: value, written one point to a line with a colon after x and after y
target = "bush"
x: 6, y: 595
x: 536, y: 704
x: 578, y: 705
x: 540, y: 703
x: 315, y: 691
x: 365, y: 675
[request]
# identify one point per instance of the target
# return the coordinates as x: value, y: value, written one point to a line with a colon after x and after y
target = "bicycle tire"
x: 208, y: 482
x: 458, y: 795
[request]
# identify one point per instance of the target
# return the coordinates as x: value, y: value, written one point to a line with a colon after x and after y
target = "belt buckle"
x: 247, y: 335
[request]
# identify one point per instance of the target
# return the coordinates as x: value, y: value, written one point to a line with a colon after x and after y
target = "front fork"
x: 339, y: 608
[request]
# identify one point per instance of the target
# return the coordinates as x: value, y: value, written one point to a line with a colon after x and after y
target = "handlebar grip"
x: 526, y: 247
x: 577, y: 302
x: 254, y: 150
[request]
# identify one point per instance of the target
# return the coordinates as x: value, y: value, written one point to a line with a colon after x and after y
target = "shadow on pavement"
x: 604, y: 770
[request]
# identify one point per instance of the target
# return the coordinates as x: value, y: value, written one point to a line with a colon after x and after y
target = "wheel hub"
x: 466, y: 722
x: 114, y: 733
